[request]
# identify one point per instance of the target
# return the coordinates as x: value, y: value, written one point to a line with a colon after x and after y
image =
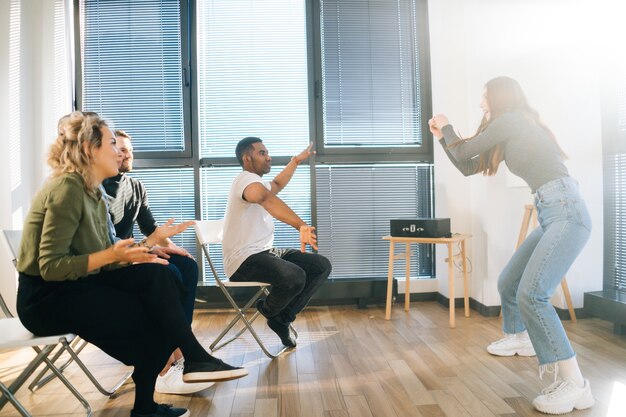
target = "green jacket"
x: 64, y: 225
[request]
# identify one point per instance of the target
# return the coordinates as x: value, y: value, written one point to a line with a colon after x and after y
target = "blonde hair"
x: 78, y: 134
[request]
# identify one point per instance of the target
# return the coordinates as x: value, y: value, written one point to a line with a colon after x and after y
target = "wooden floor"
x: 353, y: 363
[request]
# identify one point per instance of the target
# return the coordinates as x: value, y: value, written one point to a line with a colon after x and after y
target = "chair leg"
x: 42, y: 357
x: 241, y: 315
x: 67, y: 383
x: 11, y: 398
x: 73, y: 349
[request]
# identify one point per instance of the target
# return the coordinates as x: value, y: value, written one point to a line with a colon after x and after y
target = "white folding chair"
x: 13, y: 335
x: 210, y: 232
x: 13, y: 239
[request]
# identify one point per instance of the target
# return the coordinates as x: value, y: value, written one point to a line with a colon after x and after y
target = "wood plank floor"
x: 353, y: 363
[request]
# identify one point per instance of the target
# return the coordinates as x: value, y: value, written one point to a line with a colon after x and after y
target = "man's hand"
x: 307, y: 237
x: 304, y: 155
x: 170, y: 249
x: 167, y: 230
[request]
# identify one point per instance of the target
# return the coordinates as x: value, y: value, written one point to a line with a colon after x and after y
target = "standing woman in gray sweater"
x: 511, y: 131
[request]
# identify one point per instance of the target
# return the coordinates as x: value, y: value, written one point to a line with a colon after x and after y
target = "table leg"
x: 451, y: 283
x: 407, y: 279
x: 465, y: 280
x: 389, y: 282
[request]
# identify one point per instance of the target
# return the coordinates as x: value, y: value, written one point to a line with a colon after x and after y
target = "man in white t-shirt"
x: 249, y: 254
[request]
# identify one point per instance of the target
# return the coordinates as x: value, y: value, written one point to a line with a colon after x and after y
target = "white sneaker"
x: 172, y: 382
x: 563, y: 397
x: 512, y: 344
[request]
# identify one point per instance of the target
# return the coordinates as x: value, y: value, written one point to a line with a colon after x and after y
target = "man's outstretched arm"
x: 282, y: 179
x: 258, y: 194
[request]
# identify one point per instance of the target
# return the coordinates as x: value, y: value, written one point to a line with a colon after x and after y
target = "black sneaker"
x: 282, y: 331
x: 215, y: 370
x: 164, y: 410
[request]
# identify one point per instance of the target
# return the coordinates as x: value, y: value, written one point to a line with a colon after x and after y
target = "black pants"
x: 295, y: 277
x: 134, y: 314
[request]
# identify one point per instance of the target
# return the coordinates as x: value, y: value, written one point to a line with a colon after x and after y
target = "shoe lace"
x: 555, y: 388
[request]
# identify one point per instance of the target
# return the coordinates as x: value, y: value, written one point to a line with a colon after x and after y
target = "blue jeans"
x: 186, y: 271
x: 294, y: 276
x: 537, y: 267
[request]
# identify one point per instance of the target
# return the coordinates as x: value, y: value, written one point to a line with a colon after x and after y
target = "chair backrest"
x: 13, y: 239
x: 209, y: 231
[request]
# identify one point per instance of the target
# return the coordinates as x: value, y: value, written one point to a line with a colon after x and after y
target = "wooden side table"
x: 448, y: 241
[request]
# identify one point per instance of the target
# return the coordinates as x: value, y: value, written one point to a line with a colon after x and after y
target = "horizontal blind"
x: 370, y: 73
x: 252, y: 75
x: 170, y: 195
x: 615, y: 188
x: 131, y: 61
x: 354, y: 206
x: 215, y: 187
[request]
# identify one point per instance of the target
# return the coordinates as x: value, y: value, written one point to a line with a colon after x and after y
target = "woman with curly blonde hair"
x: 120, y: 297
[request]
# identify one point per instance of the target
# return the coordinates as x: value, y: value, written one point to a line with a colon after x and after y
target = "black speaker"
x: 425, y: 227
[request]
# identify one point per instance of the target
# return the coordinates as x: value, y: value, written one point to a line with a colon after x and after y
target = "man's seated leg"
x: 287, y: 281
x: 317, y: 269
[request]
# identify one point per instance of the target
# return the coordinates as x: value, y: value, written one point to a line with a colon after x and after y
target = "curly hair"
x: 78, y: 134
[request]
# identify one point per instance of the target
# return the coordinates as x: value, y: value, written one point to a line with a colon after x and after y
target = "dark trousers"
x: 186, y: 271
x: 134, y: 314
x: 295, y: 277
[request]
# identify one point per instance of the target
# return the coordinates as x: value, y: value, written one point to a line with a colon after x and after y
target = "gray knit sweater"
x: 529, y: 152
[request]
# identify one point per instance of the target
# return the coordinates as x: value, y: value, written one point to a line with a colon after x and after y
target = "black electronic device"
x: 423, y: 227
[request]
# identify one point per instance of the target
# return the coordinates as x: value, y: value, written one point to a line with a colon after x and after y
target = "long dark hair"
x: 504, y: 94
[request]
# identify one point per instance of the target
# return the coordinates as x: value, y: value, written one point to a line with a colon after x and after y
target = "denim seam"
x: 540, y: 270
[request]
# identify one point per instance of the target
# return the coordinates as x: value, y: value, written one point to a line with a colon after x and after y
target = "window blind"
x: 370, y: 73
x: 215, y: 187
x: 354, y: 206
x: 615, y: 188
x: 252, y: 75
x: 131, y: 62
x: 170, y: 195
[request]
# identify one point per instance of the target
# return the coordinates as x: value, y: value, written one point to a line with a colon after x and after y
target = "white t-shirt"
x: 248, y: 227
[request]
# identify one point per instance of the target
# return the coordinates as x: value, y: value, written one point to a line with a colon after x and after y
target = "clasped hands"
x: 436, y: 123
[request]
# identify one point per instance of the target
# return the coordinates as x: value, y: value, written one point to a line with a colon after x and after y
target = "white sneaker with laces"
x: 172, y: 382
x: 512, y: 344
x: 564, y: 396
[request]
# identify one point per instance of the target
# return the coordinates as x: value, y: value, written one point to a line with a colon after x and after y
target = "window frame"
x: 152, y: 159
x: 325, y: 155
x: 400, y: 153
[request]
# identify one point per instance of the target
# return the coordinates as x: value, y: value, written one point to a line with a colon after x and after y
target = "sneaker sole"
x: 554, y: 410
x: 512, y: 353
x: 214, y: 376
x: 191, y: 389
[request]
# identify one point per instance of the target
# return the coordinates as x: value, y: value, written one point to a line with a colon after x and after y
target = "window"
x: 614, y: 146
x: 131, y: 69
x: 252, y: 75
x: 355, y: 204
x: 189, y: 78
x: 370, y: 73
x: 170, y: 195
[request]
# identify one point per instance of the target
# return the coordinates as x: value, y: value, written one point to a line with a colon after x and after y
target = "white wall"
x: 555, y: 49
x: 31, y: 70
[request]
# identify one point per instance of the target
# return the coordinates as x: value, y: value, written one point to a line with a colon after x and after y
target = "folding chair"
x: 211, y: 232
x: 14, y: 335
x: 13, y: 238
